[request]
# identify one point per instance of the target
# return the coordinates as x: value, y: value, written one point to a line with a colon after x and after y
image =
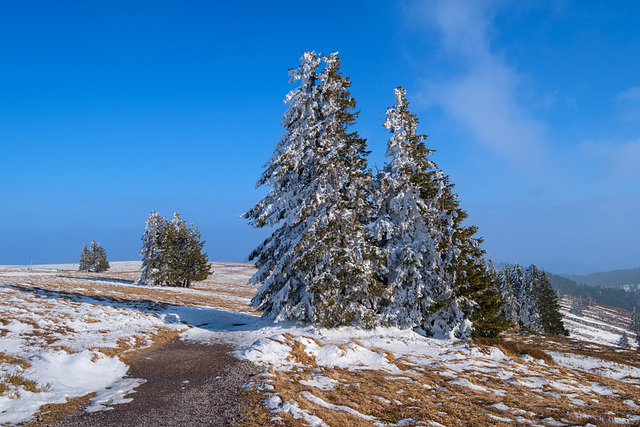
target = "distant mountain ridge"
x: 608, y: 279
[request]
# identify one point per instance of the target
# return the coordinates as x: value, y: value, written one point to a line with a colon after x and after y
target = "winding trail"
x: 187, y: 384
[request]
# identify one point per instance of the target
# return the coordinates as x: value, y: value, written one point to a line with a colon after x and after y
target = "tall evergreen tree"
x: 547, y: 303
x: 85, y: 260
x: 316, y: 266
x: 153, y: 252
x: 432, y: 266
x: 406, y: 199
x: 510, y: 308
x: 100, y: 259
x: 186, y: 262
x: 476, y: 299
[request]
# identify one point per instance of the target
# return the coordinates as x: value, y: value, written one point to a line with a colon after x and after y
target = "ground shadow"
x: 207, y: 318
x: 99, y: 279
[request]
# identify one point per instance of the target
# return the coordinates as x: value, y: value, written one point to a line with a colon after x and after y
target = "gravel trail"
x: 187, y: 384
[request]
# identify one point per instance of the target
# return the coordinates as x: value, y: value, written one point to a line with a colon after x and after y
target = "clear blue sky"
x: 112, y: 109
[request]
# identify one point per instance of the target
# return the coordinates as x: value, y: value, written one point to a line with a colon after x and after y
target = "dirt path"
x: 187, y: 384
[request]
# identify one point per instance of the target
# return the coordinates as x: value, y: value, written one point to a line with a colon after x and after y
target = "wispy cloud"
x: 483, y: 96
x: 629, y: 103
x: 617, y: 163
x: 632, y: 94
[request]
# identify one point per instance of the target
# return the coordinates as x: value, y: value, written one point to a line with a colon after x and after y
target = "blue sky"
x: 109, y: 110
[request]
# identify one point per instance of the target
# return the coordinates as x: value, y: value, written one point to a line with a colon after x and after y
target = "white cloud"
x: 484, y: 98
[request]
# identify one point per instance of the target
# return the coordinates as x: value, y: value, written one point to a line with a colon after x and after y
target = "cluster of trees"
x: 172, y: 253
x: 93, y: 259
x: 529, y: 301
x: 351, y: 248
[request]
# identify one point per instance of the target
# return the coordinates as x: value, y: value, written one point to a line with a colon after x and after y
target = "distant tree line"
x: 608, y: 296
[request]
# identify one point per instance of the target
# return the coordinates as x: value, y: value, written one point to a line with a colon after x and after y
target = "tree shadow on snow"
x: 207, y: 318
x: 99, y: 279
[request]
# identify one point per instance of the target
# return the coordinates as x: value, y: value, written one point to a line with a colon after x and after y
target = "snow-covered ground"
x: 64, y: 333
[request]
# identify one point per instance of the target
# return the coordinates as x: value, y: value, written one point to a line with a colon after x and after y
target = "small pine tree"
x: 634, y: 326
x: 624, y: 341
x: 85, y: 260
x: 576, y: 307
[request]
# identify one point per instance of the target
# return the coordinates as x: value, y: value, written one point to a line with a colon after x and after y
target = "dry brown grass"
x: 226, y: 288
x: 54, y: 412
x: 422, y: 393
x: 13, y: 360
x: 516, y: 348
x: 14, y: 380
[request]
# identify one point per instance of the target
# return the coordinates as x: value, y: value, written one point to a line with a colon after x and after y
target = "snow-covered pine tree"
x: 634, y: 326
x: 100, y: 259
x: 153, y: 252
x: 523, y: 286
x: 85, y: 261
x: 316, y: 266
x: 406, y: 200
x: 624, y: 341
x: 576, y: 306
x: 474, y: 303
x: 547, y: 303
x: 510, y: 306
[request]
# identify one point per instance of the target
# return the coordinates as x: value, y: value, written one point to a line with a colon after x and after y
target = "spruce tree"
x: 85, y: 261
x: 510, y: 306
x: 547, y: 303
x: 317, y: 265
x: 475, y: 302
x: 634, y: 326
x: 153, y: 252
x: 406, y: 200
x: 186, y: 262
x: 624, y: 341
x: 100, y: 258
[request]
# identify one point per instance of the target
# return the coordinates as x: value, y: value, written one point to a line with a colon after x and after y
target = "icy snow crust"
x: 78, y: 325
